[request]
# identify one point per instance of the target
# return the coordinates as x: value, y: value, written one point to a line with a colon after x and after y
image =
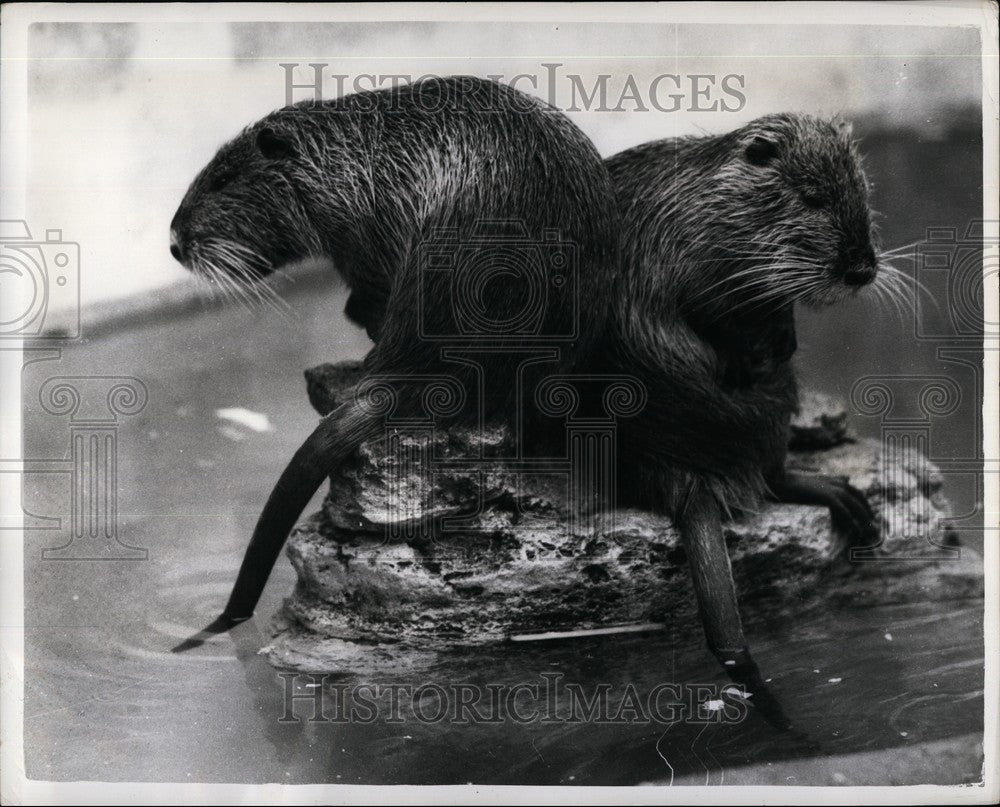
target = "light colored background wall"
x: 123, y: 116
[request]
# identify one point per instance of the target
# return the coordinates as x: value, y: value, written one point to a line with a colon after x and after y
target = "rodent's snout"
x: 180, y: 235
x: 862, y: 266
x: 175, y: 246
x: 861, y: 276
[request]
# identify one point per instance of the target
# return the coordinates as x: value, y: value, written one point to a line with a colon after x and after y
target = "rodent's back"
x: 382, y: 181
x: 511, y: 180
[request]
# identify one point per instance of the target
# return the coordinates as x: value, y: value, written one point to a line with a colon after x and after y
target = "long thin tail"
x: 336, y: 437
x: 700, y: 525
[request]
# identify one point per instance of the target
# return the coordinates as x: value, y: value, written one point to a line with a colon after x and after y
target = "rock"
x: 417, y: 549
x: 820, y: 423
x: 325, y: 381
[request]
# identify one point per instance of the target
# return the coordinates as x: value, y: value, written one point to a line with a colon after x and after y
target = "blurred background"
x: 122, y: 117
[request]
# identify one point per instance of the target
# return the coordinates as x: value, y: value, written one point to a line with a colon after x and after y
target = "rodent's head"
x: 799, y: 208
x: 245, y: 213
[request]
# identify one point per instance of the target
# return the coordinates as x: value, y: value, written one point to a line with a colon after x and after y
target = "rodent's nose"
x: 859, y: 276
x: 861, y: 265
x: 175, y: 246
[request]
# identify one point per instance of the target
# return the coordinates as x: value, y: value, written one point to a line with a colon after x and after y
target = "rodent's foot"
x: 854, y: 522
x: 743, y: 670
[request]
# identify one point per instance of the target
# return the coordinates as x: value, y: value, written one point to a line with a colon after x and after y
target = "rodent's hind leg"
x: 854, y: 522
x: 700, y: 524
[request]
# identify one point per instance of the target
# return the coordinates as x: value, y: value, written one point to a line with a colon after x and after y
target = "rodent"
x: 370, y: 180
x: 692, y: 253
x: 722, y: 236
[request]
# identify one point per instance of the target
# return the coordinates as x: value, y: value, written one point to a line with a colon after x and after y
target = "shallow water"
x: 114, y: 703
x: 105, y: 699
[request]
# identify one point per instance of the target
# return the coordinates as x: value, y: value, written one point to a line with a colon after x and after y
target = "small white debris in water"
x: 815, y: 671
x: 767, y: 680
x: 255, y: 421
x: 903, y: 733
x: 713, y: 705
x: 232, y: 433
x: 572, y: 778
x: 736, y: 692
x: 888, y: 637
x: 835, y: 680
x: 730, y: 663
x: 77, y: 596
x: 312, y: 686
x: 407, y: 736
x: 839, y: 778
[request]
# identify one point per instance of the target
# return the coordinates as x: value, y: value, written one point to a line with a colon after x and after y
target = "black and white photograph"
x: 560, y: 403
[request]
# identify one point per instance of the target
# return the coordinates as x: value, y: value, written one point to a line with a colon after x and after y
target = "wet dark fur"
x: 366, y: 179
x: 369, y: 180
x: 721, y: 236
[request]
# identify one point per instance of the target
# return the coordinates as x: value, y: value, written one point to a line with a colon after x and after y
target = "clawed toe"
x: 854, y: 521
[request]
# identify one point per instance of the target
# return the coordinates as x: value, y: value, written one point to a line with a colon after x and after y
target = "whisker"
x: 795, y: 290
x: 237, y: 273
x: 907, y: 288
x: 903, y: 248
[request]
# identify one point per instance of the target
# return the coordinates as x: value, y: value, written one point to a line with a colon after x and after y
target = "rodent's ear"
x: 845, y: 127
x: 274, y: 145
x: 760, y: 151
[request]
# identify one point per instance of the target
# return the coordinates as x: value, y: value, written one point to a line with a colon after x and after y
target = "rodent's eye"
x: 274, y: 145
x: 219, y: 182
x: 761, y: 151
x: 813, y: 200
